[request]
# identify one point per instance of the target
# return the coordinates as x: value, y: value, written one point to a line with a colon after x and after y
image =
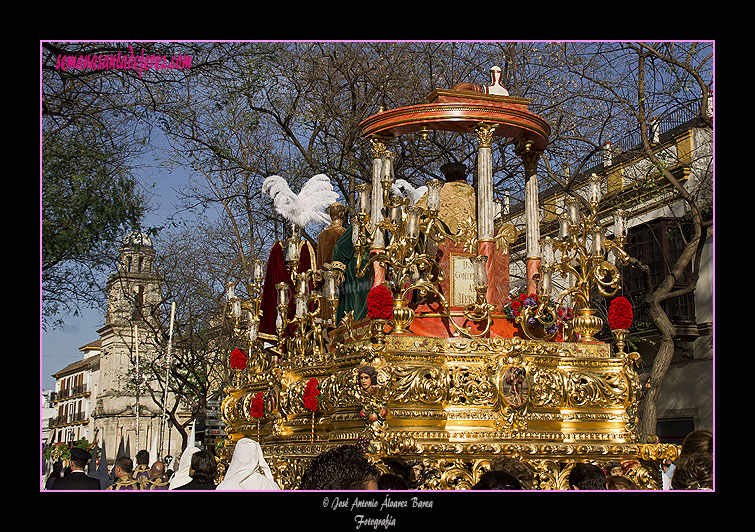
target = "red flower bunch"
x: 258, y: 405
x: 380, y: 303
x: 238, y: 359
x: 620, y: 313
x: 310, y: 395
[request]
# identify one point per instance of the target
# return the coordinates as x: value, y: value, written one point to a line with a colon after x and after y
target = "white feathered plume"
x: 405, y: 189
x: 306, y: 207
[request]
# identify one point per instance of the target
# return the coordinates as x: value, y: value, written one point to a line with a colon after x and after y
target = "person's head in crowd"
x: 123, y: 466
x: 586, y: 477
x: 698, y: 441
x: 142, y: 457
x: 341, y: 468
x: 523, y: 473
x: 157, y: 470
x: 617, y: 482
x: 497, y: 480
x: 694, y: 471
x: 203, y: 468
x: 79, y: 458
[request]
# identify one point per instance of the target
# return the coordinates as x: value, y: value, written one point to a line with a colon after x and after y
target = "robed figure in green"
x: 353, y: 290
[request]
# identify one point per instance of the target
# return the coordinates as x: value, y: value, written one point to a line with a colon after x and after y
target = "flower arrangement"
x: 310, y: 395
x: 238, y: 359
x: 258, y: 410
x: 380, y: 303
x: 620, y: 313
x: 258, y: 405
x: 310, y: 401
x: 524, y: 301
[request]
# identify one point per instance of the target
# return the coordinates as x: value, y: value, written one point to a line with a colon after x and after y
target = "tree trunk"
x: 649, y: 417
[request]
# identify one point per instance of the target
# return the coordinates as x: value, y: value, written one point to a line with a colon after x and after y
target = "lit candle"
x: 253, y: 328
x: 563, y: 227
x: 230, y: 293
x: 433, y: 193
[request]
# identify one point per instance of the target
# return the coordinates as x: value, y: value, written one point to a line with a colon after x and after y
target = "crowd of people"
x: 346, y: 467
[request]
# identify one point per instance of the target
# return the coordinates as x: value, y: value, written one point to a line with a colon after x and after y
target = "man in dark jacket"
x: 77, y: 479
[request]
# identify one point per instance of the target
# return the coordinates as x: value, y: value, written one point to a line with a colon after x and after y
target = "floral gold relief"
x: 452, y: 405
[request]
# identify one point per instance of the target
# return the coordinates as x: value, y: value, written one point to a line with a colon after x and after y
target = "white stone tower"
x: 132, y: 324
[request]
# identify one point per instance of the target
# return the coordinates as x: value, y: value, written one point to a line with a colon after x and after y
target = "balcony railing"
x: 68, y: 393
x: 61, y: 421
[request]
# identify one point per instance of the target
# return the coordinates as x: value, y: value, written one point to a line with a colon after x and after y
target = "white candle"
x: 282, y: 293
x: 433, y: 193
x: 258, y: 271
x: 412, y: 222
x: 363, y: 189
x: 547, y: 246
x: 480, y: 263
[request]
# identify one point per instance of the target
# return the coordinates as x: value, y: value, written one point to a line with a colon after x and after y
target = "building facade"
x: 73, y: 398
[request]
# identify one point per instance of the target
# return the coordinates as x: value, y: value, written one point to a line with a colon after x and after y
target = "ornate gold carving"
x: 485, y: 134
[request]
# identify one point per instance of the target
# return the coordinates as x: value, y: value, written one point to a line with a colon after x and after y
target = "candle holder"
x: 583, y: 249
x: 621, y: 339
x: 405, y: 231
x: 307, y: 337
x: 247, y: 313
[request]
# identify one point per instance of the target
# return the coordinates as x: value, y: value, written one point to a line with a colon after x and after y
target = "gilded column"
x: 531, y: 213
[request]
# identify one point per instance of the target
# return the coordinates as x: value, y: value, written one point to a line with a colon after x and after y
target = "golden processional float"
x: 440, y: 376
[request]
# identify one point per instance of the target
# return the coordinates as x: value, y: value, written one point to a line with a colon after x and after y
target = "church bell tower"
x: 132, y: 323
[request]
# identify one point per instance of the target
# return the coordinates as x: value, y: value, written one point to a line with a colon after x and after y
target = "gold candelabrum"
x: 307, y: 335
x: 247, y: 313
x: 584, y: 249
x: 407, y: 230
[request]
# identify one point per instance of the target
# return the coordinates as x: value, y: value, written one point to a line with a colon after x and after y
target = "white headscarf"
x: 181, y: 476
x: 244, y: 470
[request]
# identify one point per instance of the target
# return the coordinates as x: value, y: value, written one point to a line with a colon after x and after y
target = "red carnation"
x: 258, y: 405
x: 522, y: 296
x: 310, y: 395
x: 620, y: 313
x: 380, y: 303
x: 238, y: 359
